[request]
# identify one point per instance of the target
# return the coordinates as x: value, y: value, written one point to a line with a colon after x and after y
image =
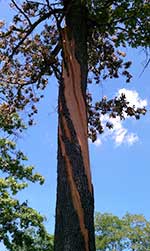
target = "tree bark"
x: 74, y: 227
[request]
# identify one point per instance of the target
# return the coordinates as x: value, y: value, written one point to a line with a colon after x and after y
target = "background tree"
x: 15, y: 216
x: 131, y: 232
x: 75, y: 40
x: 36, y: 242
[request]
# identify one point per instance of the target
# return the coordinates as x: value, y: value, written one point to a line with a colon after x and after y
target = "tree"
x: 131, y: 232
x: 76, y: 41
x: 15, y: 216
x: 36, y: 242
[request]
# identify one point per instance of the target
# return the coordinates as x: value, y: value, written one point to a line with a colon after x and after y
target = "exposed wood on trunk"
x: 74, y: 192
x: 74, y: 229
x: 75, y: 101
x: 77, y: 110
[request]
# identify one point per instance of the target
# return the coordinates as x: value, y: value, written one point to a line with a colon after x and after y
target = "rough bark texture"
x: 74, y: 229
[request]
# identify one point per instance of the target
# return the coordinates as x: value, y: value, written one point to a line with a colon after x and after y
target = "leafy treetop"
x: 15, y: 217
x: 131, y: 232
x: 31, y: 51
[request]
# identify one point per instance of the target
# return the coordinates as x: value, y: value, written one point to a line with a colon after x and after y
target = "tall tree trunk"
x: 74, y: 229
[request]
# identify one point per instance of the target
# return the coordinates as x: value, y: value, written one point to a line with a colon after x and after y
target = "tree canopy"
x: 36, y: 242
x: 31, y: 46
x: 15, y: 216
x: 131, y: 232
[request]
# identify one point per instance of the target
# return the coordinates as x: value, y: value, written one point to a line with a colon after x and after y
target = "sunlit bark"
x: 75, y: 205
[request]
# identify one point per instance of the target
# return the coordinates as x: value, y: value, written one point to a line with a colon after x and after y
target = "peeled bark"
x: 75, y: 205
x: 74, y: 229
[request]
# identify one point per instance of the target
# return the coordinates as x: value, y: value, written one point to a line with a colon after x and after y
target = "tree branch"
x: 33, y: 26
x: 33, y: 2
x: 22, y: 12
x: 48, y: 4
x: 145, y: 66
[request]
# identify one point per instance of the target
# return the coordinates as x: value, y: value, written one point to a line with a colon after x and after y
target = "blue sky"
x: 120, y: 172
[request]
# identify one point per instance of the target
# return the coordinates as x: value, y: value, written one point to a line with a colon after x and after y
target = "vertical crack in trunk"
x: 77, y: 111
x: 75, y: 101
x: 74, y: 228
x: 74, y: 192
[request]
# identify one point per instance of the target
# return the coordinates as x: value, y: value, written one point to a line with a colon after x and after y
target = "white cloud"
x: 98, y: 142
x: 119, y: 133
x: 132, y: 138
x: 133, y: 98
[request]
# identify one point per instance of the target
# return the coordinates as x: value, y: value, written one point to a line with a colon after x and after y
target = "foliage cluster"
x: 131, y: 232
x: 31, y: 50
x: 15, y: 216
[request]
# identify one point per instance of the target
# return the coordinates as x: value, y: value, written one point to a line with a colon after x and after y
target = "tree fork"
x: 74, y: 229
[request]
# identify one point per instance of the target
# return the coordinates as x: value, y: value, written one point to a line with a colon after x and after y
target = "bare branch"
x: 121, y: 28
x: 22, y: 12
x: 48, y: 4
x: 34, y: 25
x: 56, y: 72
x: 58, y: 21
x: 56, y: 49
x: 33, y: 2
x: 145, y: 66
